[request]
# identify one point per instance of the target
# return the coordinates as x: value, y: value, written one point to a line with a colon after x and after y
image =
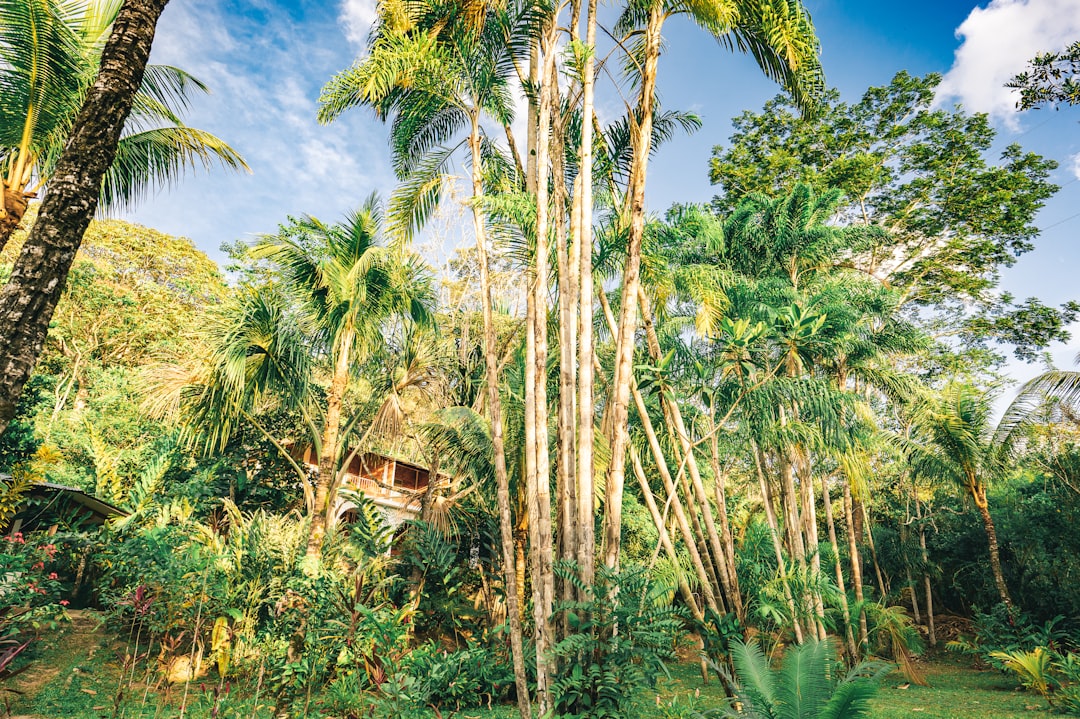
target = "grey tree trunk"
x: 511, y: 564
x: 29, y: 298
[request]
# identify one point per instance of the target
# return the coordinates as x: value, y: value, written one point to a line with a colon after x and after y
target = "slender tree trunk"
x: 641, y: 142
x: 567, y: 453
x: 856, y: 564
x: 849, y: 634
x: 810, y: 529
x: 720, y: 490
x: 665, y: 536
x: 29, y: 298
x: 978, y: 493
x: 873, y: 553
x: 678, y: 428
x: 586, y: 509
x: 502, y: 484
x: 536, y: 386
x: 926, y: 575
x: 321, y: 518
x: 774, y: 532
x: 708, y: 585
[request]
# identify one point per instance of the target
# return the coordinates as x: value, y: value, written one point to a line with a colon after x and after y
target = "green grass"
x: 75, y: 674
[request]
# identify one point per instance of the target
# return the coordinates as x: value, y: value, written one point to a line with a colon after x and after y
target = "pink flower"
x: 64, y: 602
x: 52, y: 575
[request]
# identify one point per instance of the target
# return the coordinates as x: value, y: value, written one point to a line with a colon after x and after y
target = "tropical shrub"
x: 30, y: 591
x: 810, y: 684
x: 618, y: 643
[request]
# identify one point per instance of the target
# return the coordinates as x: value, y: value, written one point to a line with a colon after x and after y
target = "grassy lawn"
x: 76, y: 675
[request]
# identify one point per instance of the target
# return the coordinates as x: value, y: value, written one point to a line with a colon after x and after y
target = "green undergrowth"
x: 75, y: 674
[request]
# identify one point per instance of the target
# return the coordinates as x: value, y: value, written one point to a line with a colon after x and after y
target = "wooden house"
x: 394, y: 485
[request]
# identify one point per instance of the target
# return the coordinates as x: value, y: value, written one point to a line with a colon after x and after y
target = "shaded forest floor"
x: 76, y: 674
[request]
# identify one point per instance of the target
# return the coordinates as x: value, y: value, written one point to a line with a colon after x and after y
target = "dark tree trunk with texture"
x: 979, y: 495
x: 28, y: 299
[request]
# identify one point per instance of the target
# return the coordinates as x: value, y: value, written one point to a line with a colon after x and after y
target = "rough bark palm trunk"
x: 29, y: 298
x: 978, y: 493
x: 494, y: 403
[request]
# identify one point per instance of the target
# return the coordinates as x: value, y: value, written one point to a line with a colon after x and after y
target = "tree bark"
x: 708, y: 585
x: 586, y: 476
x: 774, y: 533
x: 323, y: 509
x: 29, y: 298
x: 856, y: 564
x: 978, y: 493
x: 849, y: 634
x: 641, y: 141
x: 536, y: 389
x: 673, y: 414
x: 494, y: 403
x: 926, y: 575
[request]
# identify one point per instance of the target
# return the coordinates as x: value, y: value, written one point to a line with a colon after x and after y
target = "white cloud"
x: 358, y: 16
x: 1074, y: 165
x: 997, y: 42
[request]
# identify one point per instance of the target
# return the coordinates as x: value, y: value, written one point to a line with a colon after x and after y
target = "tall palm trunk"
x: 502, y: 484
x: 586, y: 555
x: 978, y: 493
x: 849, y: 633
x: 856, y: 563
x: 926, y: 573
x: 678, y: 428
x: 641, y: 142
x: 566, y: 479
x: 323, y: 509
x: 29, y: 298
x: 774, y: 533
x: 536, y: 406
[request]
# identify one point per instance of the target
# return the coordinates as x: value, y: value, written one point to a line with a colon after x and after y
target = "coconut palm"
x: 50, y: 51
x: 1046, y: 396
x: 959, y: 448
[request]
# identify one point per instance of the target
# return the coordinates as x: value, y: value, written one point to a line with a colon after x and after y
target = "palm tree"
x: 29, y: 298
x: 809, y: 684
x: 50, y: 51
x: 959, y: 448
x: 781, y: 38
x: 439, y: 70
x: 348, y: 288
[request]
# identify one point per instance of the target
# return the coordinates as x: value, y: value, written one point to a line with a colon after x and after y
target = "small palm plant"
x: 810, y: 684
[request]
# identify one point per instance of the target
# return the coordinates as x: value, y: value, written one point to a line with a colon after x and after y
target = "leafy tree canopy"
x: 953, y: 217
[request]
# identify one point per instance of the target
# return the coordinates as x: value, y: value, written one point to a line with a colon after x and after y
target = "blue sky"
x: 265, y: 62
